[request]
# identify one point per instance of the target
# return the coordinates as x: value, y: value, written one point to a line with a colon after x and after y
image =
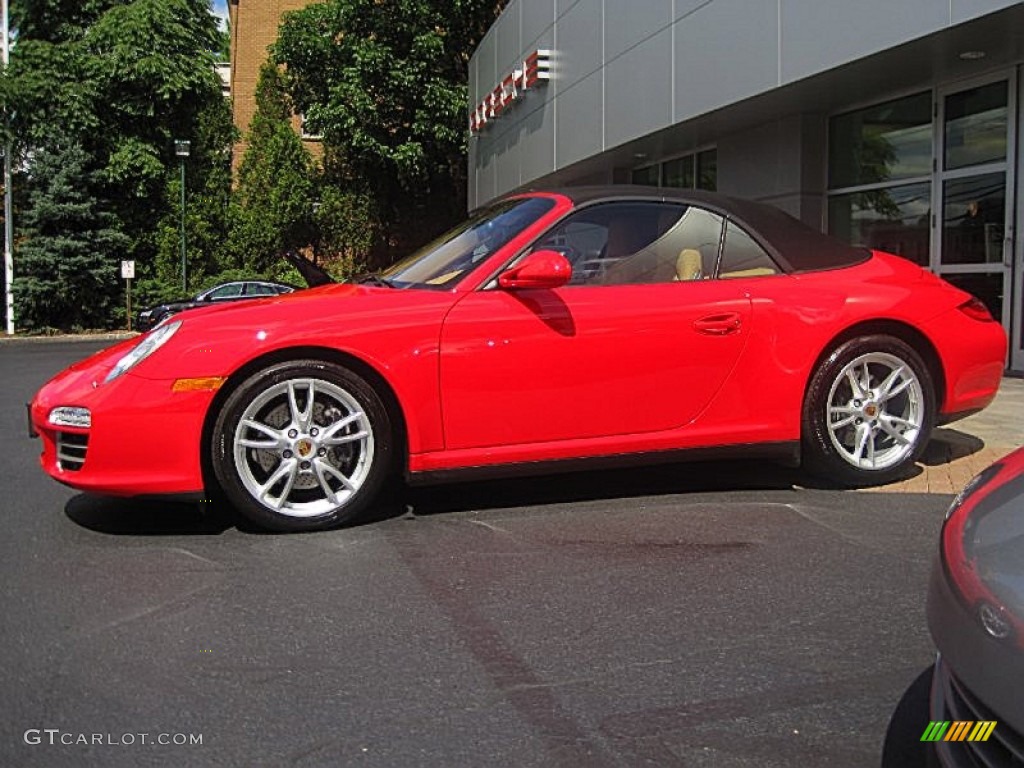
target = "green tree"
x: 68, y: 265
x: 55, y: 21
x: 384, y: 83
x: 123, y: 79
x: 207, y: 209
x: 276, y: 182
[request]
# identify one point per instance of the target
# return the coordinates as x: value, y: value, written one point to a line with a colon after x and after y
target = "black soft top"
x: 795, y: 246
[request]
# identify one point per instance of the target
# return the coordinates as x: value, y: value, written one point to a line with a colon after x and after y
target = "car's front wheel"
x: 868, y: 412
x: 303, y: 445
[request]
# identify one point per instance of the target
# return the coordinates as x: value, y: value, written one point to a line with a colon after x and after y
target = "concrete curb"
x: 69, y: 337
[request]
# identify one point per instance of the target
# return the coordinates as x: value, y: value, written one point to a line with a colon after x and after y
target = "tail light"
x: 976, y: 310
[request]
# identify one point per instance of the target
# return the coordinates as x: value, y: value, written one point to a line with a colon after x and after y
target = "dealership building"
x: 890, y: 124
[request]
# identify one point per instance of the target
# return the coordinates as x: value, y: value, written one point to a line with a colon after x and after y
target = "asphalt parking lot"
x: 703, y: 615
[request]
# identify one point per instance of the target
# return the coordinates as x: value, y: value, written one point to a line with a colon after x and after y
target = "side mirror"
x: 541, y: 269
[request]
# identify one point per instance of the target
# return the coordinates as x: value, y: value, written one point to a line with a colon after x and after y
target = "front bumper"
x: 144, y: 438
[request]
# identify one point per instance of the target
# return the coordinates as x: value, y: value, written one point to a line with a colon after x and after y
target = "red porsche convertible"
x: 551, y: 330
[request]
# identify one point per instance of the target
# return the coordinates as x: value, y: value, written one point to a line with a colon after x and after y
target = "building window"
x: 646, y: 176
x: 975, y: 129
x: 893, y: 219
x: 880, y: 184
x: 698, y: 170
x: 679, y: 173
x: 882, y: 144
x: 707, y: 170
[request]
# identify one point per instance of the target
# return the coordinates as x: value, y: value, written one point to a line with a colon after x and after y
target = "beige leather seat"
x: 688, y: 265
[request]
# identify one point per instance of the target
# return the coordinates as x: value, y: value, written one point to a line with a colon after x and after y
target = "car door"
x: 638, y: 342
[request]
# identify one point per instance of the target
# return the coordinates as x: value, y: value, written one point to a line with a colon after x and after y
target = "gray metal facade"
x: 638, y: 79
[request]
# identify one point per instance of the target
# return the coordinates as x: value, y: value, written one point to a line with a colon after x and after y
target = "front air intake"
x: 71, y: 449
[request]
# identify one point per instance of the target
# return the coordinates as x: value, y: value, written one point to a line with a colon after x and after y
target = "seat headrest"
x: 689, y: 265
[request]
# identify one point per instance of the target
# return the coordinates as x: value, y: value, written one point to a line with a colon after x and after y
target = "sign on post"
x: 127, y: 273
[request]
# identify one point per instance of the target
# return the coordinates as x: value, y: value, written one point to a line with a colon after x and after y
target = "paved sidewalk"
x: 959, y: 451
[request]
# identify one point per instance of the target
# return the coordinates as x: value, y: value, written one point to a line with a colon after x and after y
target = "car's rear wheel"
x: 868, y: 413
x: 303, y: 445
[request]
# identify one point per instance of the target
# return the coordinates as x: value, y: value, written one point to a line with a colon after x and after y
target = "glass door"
x: 973, y: 243
x: 1017, y: 247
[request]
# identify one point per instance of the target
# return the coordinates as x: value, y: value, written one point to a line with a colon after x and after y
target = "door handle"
x: 718, y: 325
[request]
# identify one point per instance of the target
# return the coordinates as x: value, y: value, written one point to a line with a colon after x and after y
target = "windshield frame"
x: 449, y: 259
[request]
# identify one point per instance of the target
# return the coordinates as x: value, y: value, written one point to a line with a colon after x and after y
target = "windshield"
x: 450, y: 257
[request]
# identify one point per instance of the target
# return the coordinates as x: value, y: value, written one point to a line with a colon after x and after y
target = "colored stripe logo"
x: 959, y: 730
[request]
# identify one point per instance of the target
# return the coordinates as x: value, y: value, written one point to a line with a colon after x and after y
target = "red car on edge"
x: 552, y: 330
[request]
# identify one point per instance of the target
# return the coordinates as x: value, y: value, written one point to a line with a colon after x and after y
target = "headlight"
x: 150, y: 343
x: 71, y: 416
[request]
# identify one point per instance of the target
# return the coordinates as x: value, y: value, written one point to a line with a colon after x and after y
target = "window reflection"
x: 986, y: 286
x: 882, y: 143
x: 973, y: 213
x: 678, y: 173
x: 895, y: 220
x: 707, y: 170
x: 976, y: 126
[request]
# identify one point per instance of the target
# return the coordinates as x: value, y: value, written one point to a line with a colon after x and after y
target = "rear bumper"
x: 973, y: 355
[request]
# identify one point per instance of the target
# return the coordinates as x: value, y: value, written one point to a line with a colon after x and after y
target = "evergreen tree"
x: 69, y: 263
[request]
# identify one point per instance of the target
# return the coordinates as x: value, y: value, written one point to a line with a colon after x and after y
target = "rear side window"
x: 260, y: 289
x: 742, y: 256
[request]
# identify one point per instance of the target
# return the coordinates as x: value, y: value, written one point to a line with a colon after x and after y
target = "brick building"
x: 254, y: 26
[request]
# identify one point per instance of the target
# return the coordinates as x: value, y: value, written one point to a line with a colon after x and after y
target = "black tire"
x: 868, y: 412
x: 330, y: 453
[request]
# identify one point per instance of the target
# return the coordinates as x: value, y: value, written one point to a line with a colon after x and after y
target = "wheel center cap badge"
x: 304, y: 447
x: 871, y: 410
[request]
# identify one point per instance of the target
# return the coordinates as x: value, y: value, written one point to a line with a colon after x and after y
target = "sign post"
x: 128, y: 272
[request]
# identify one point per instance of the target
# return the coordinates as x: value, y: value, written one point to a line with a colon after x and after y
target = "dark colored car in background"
x: 242, y: 289
x: 976, y: 617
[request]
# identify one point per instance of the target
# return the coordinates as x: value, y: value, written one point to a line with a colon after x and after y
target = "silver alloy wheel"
x: 303, y: 447
x: 876, y: 410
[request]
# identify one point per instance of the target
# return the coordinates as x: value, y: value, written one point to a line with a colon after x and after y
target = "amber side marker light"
x: 207, y: 384
x: 976, y: 310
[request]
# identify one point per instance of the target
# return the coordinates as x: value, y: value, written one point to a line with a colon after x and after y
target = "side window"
x: 742, y: 256
x: 225, y: 292
x: 630, y: 243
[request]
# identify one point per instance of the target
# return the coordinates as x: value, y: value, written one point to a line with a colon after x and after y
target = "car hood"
x: 361, y: 320
x: 307, y: 296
